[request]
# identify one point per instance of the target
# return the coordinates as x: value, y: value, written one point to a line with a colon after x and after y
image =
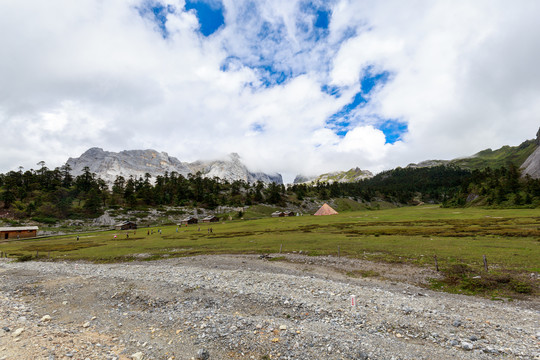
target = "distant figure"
x: 177, y: 229
x: 199, y: 229
x: 127, y: 235
x: 148, y: 233
x: 208, y: 230
x: 115, y: 236
x: 152, y: 232
x: 77, y: 237
x: 211, y: 231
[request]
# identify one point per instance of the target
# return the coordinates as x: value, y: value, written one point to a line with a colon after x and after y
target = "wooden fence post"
x: 338, y: 251
x: 436, y: 263
x: 485, y: 263
x: 280, y: 248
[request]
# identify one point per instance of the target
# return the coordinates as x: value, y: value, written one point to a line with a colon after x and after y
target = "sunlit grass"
x: 508, y: 237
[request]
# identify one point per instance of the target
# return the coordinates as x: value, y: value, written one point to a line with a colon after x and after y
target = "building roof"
x: 18, y: 228
x: 210, y: 217
x: 125, y: 223
x: 326, y: 210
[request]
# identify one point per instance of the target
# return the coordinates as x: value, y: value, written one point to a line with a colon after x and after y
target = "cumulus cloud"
x: 274, y: 83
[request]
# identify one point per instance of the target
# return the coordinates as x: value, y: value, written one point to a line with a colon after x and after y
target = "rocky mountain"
x: 108, y: 165
x: 531, y: 166
x: 232, y: 169
x: 352, y: 175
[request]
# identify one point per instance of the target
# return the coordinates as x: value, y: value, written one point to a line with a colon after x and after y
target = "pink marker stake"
x: 353, y: 300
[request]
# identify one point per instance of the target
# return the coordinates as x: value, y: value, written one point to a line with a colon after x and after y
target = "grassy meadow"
x: 509, y: 238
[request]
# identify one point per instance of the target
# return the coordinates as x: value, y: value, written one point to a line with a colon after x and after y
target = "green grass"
x: 498, y: 158
x: 510, y: 238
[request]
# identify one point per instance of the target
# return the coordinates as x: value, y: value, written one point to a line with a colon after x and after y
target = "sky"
x: 292, y: 86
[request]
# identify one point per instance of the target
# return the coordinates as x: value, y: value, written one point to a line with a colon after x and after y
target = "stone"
x: 86, y: 324
x: 457, y: 323
x: 362, y: 356
x: 18, y: 332
x: 283, y: 327
x: 45, y: 318
x: 466, y: 346
x: 203, y: 354
x: 137, y: 356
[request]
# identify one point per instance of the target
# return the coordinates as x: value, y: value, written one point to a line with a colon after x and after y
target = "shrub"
x: 24, y: 258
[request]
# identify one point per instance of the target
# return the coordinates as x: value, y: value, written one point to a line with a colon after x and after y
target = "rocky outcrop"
x: 428, y: 163
x: 232, y: 169
x: 137, y: 163
x: 108, y: 165
x: 531, y: 166
x: 352, y: 175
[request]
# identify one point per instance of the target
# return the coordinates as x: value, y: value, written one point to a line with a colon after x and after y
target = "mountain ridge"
x: 107, y: 165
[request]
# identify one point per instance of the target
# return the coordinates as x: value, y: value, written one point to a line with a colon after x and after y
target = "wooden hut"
x: 288, y: 213
x: 126, y: 225
x: 189, y: 220
x: 19, y: 232
x: 210, y: 219
x: 278, y: 214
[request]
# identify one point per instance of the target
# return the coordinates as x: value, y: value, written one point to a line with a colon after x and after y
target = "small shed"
x: 19, y: 232
x: 278, y: 214
x: 288, y: 213
x: 210, y: 219
x: 126, y: 225
x: 189, y: 220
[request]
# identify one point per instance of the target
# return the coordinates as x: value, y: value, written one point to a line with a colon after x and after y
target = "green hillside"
x: 498, y: 158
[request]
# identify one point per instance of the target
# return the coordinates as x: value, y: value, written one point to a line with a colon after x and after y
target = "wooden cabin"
x: 126, y: 225
x: 288, y: 213
x: 189, y: 220
x: 278, y: 214
x: 210, y: 219
x: 20, y: 232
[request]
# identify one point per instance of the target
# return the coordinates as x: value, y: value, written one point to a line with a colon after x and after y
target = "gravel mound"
x: 242, y: 307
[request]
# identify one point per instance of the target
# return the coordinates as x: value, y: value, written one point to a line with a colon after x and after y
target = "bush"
x: 24, y: 258
x: 45, y: 220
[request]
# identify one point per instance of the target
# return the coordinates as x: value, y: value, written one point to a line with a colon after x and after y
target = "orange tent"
x: 326, y: 210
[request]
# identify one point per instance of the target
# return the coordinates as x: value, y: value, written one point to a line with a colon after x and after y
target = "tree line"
x: 57, y: 194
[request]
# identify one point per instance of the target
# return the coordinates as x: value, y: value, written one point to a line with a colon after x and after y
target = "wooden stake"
x: 436, y: 263
x: 485, y: 263
x: 37, y: 253
x: 280, y: 248
x: 338, y: 251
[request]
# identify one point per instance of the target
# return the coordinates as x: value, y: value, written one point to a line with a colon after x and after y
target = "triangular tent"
x: 326, y: 210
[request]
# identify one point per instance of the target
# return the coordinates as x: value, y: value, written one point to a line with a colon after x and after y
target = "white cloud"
x: 463, y: 76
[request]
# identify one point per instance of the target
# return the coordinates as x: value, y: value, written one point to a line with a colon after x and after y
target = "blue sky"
x: 293, y: 86
x: 313, y: 27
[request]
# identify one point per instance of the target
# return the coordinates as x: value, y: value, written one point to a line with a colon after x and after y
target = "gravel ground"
x: 242, y: 307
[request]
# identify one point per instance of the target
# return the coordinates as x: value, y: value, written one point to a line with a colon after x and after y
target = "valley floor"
x: 243, y: 307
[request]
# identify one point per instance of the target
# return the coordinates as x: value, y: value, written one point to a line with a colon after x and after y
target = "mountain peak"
x: 137, y: 163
